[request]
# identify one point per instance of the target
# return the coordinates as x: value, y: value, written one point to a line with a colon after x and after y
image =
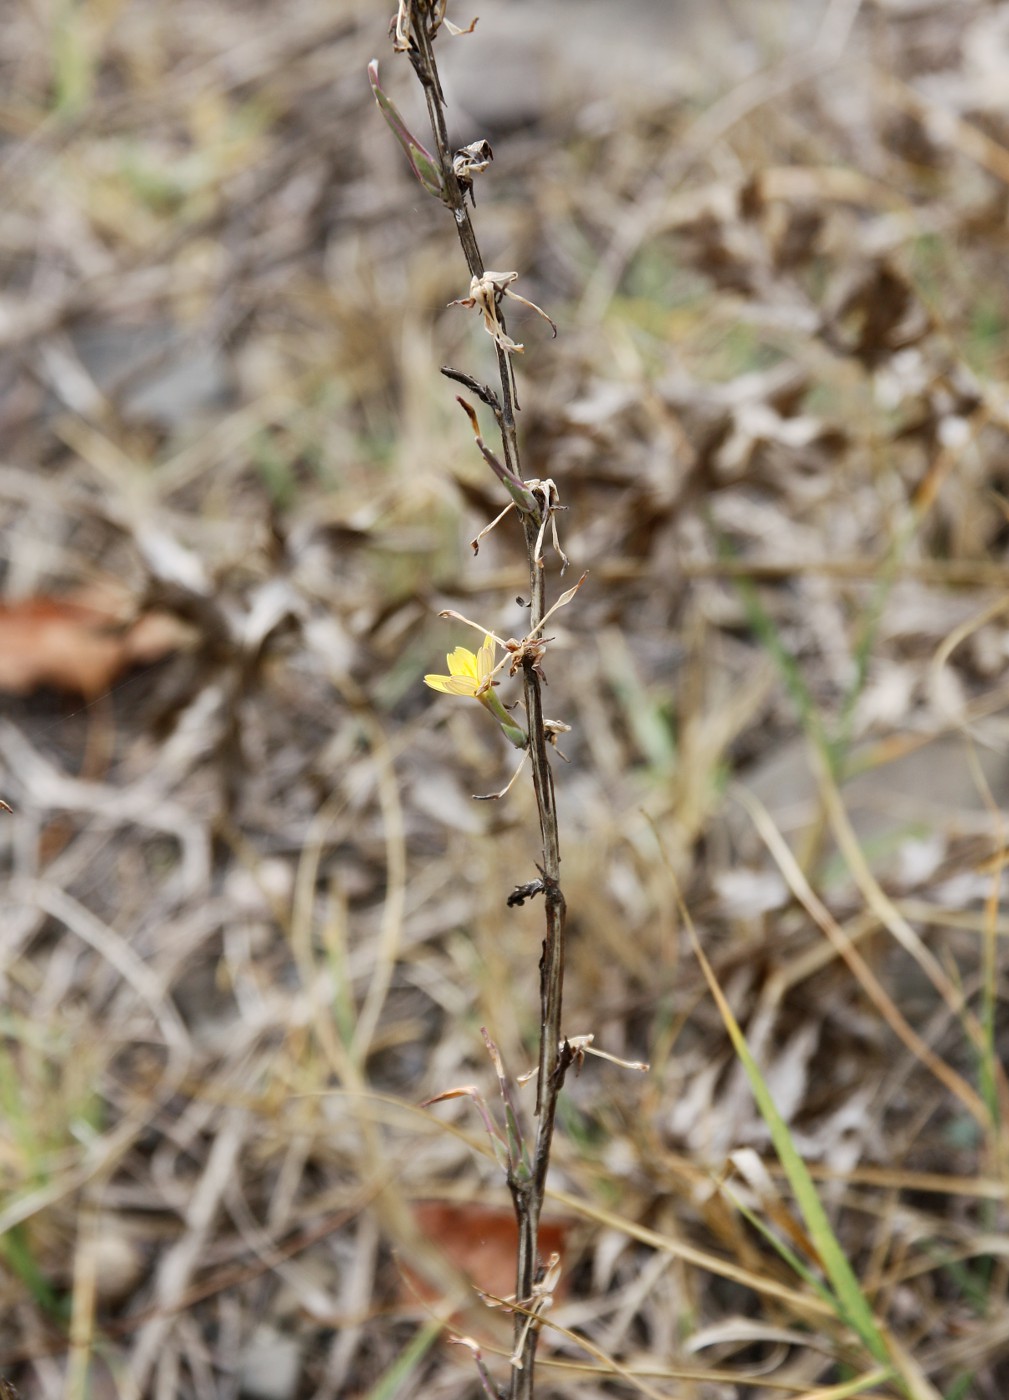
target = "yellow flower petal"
x: 452, y: 685
x: 468, y: 673
x: 462, y: 662
x: 485, y: 659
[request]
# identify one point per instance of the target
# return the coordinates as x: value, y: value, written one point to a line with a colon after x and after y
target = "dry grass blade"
x: 803, y: 892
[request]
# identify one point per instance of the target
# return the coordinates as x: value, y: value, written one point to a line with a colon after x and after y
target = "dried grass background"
x: 251, y: 916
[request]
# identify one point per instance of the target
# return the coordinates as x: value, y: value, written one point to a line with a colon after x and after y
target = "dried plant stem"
x: 426, y: 68
x: 554, y: 1055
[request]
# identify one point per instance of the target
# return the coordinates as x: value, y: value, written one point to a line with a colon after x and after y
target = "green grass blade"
x: 793, y: 1260
x: 851, y: 1302
x: 766, y: 631
x: 409, y: 1358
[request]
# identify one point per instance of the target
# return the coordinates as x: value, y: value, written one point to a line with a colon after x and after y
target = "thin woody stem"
x: 426, y: 68
x: 528, y: 1196
x: 554, y: 1053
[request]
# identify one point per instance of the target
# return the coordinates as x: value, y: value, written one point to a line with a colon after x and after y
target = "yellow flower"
x: 468, y: 674
x: 472, y: 675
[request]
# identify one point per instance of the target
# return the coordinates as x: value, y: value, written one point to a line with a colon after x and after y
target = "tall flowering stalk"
x: 448, y: 176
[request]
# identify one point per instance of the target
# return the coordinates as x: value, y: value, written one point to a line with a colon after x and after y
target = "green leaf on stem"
x: 422, y: 162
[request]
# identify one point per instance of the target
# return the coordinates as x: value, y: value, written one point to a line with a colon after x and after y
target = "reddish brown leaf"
x: 481, y: 1241
x: 76, y: 646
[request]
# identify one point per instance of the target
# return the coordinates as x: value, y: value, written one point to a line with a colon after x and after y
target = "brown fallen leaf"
x: 76, y: 646
x: 481, y: 1241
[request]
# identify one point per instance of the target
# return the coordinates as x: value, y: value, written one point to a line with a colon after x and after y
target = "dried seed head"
x: 485, y: 293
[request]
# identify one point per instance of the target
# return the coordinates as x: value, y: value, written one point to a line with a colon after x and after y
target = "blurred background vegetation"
x: 251, y: 915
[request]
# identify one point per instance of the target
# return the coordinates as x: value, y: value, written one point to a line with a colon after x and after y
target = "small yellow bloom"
x: 468, y: 674
x: 473, y: 675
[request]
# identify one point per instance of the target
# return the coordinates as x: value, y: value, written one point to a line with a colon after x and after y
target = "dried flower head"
x: 470, y: 161
x: 485, y: 293
x: 402, y: 24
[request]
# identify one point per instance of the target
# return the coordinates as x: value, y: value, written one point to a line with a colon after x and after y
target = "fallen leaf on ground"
x: 77, y: 647
x: 481, y: 1241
